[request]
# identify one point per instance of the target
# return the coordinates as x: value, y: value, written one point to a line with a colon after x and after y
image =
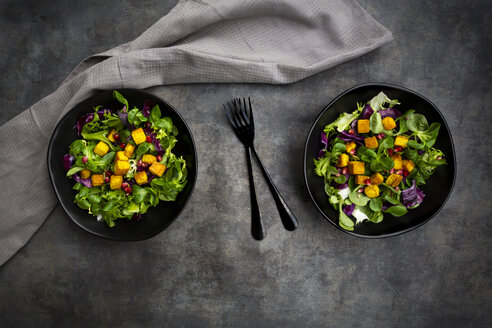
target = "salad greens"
x: 123, y: 163
x: 375, y: 159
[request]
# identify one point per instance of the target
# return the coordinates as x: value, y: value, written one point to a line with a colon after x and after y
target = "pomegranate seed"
x: 116, y: 136
x: 139, y: 163
x: 398, y: 148
x: 108, y: 173
x: 337, y: 175
x: 382, y: 134
x: 147, y: 124
x: 144, y: 165
x: 344, y: 171
x: 106, y: 179
x: 84, y: 159
x: 439, y: 157
x: 128, y: 190
x: 360, y: 190
x: 405, y: 173
x: 124, y: 185
x: 367, y: 182
x: 397, y: 188
x: 149, y: 139
x: 122, y: 145
x: 392, y: 171
x: 379, y: 137
x: 159, y: 158
x: 400, y: 172
x: 390, y: 151
x: 407, y: 117
x: 352, y: 152
x: 351, y: 132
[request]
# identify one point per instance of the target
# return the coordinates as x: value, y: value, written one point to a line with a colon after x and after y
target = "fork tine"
x: 237, y: 113
x: 244, y: 113
x: 251, y: 113
x: 229, y: 117
x: 232, y: 107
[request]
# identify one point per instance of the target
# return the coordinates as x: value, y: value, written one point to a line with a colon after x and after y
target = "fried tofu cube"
x: 343, y: 160
x: 389, y: 123
x: 158, y: 169
x: 356, y: 167
x: 350, y: 146
x: 97, y: 180
x: 149, y: 159
x: 121, y: 167
x: 101, y: 149
x: 371, y: 191
x: 401, y: 141
x: 120, y: 156
x: 371, y: 142
x: 141, y: 177
x: 397, y: 160
x: 139, y: 136
x: 361, y: 179
x: 408, y: 165
x: 84, y: 174
x: 363, y: 126
x: 111, y: 135
x: 376, y: 179
x: 129, y: 148
x: 394, y: 180
x: 115, y: 181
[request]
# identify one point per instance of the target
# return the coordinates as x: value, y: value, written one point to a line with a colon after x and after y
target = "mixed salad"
x: 374, y: 160
x: 123, y: 163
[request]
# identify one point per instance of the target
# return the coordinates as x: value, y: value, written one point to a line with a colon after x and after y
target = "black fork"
x: 243, y: 123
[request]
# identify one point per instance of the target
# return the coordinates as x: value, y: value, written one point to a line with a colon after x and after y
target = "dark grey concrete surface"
x: 206, y: 270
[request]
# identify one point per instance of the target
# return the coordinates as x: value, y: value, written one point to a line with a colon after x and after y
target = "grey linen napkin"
x: 254, y: 41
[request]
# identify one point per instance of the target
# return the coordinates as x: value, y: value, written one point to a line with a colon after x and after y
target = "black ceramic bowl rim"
x: 327, y: 107
x: 109, y: 236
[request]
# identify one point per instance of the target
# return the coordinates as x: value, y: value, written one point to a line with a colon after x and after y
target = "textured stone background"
x: 206, y: 270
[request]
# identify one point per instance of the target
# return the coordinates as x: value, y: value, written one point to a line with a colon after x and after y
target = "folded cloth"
x: 256, y: 41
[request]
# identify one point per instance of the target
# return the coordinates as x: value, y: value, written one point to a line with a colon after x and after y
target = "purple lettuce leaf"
x: 324, y: 141
x: 147, y: 107
x: 155, y: 141
x: 86, y: 182
x: 83, y: 120
x: 123, y: 115
x: 347, y: 137
x: 366, y: 112
x: 348, y: 209
x: 67, y: 161
x: 391, y: 112
x: 412, y: 196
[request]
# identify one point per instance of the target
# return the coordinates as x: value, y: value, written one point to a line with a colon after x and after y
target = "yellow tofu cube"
x: 115, y: 181
x: 371, y: 191
x: 149, y: 159
x: 363, y: 126
x: 111, y: 135
x: 361, y: 179
x: 97, y: 180
x: 121, y: 167
x: 371, y: 142
x: 158, y: 169
x: 141, y: 177
x: 356, y: 167
x: 350, y: 146
x: 139, y: 136
x: 84, y: 174
x: 343, y: 160
x: 397, y: 160
x: 394, y: 180
x: 120, y: 156
x: 376, y: 179
x: 129, y: 148
x: 408, y: 165
x: 101, y: 149
x: 389, y: 123
x: 401, y: 141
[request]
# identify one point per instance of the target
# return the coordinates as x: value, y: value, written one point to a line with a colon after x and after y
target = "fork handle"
x: 288, y: 218
x: 257, y: 229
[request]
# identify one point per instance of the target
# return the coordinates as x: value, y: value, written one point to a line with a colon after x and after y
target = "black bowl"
x: 438, y: 187
x: 157, y: 218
